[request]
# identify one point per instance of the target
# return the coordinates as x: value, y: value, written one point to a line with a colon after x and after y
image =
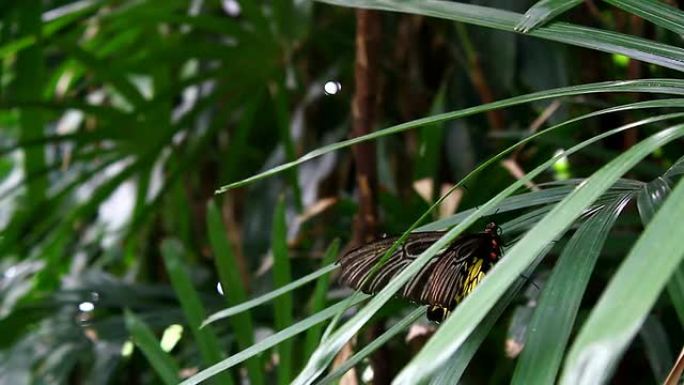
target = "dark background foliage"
x: 121, y: 119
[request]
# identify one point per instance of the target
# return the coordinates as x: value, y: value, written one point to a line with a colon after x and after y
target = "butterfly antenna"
x: 495, y: 212
x: 468, y: 190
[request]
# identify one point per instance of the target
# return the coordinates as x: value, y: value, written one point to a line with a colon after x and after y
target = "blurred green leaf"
x: 431, y: 140
x: 282, y: 304
x: 657, y: 348
x: 272, y: 340
x: 59, y: 19
x: 231, y: 282
x: 552, y: 322
x: 28, y: 84
x: 244, y: 306
x: 280, y: 97
x: 650, y: 198
x: 318, y: 298
x: 225, y: 313
x: 206, y: 339
x: 144, y: 338
x: 675, y: 289
x: 631, y: 292
x: 372, y: 346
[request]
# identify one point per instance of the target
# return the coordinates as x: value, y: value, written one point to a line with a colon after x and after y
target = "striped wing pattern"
x: 441, y: 282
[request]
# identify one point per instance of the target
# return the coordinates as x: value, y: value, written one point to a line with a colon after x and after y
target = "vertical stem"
x: 364, y: 108
x: 5, y: 36
x: 280, y: 99
x: 363, y: 117
x: 29, y: 87
x: 477, y: 77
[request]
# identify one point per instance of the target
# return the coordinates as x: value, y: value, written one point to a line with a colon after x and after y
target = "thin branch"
x: 478, y: 78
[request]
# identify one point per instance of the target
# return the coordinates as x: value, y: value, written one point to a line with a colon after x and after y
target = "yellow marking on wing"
x: 475, y: 275
x: 474, y: 270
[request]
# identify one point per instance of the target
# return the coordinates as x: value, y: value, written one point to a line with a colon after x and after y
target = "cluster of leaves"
x: 121, y: 118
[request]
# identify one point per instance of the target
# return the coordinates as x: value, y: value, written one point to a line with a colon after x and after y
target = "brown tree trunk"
x: 364, y: 107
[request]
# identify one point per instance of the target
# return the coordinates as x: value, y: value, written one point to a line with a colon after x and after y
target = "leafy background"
x: 121, y: 120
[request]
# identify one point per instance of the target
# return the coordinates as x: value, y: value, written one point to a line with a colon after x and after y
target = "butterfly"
x: 442, y: 283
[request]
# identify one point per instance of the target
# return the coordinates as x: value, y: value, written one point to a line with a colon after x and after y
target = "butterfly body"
x: 441, y: 284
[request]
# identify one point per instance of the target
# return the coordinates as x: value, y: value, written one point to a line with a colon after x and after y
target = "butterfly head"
x: 493, y: 228
x: 494, y: 232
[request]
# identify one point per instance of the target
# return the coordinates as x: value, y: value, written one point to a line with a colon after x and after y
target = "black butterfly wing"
x: 437, y: 283
x: 359, y: 266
